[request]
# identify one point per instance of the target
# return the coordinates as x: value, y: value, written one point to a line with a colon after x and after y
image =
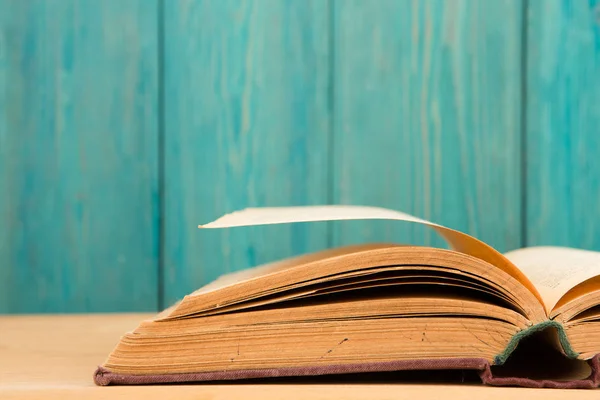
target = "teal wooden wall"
x: 125, y: 123
x: 79, y: 189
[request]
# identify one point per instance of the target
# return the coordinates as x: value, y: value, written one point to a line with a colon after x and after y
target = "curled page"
x: 458, y: 241
x: 561, y: 274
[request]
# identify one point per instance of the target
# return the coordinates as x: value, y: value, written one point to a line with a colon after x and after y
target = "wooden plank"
x: 59, y: 365
x: 78, y: 156
x: 427, y: 116
x: 563, y: 123
x: 246, y: 124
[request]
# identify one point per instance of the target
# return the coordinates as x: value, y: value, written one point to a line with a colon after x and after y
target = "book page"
x: 458, y: 241
x: 556, y: 270
x: 234, y: 278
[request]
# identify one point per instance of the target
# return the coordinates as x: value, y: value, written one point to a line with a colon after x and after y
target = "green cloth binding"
x: 514, y: 341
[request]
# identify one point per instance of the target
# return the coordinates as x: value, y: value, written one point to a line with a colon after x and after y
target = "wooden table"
x: 53, y: 357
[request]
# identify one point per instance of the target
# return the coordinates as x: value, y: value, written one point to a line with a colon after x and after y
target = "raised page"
x: 457, y: 240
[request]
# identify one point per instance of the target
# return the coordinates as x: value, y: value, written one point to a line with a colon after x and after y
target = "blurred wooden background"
x: 125, y: 123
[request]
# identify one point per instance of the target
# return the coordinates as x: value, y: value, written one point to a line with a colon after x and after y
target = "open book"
x: 378, y: 307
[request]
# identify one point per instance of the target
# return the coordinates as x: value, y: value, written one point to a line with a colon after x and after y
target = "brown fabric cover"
x: 104, y: 377
x: 591, y: 381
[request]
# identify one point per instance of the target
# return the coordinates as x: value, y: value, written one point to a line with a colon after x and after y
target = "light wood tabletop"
x: 54, y: 357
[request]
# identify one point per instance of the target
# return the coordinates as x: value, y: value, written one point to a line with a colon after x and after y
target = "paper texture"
x: 458, y: 241
x: 556, y: 270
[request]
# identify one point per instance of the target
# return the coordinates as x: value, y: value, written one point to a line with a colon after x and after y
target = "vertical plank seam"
x: 161, y: 154
x: 331, y: 162
x: 523, y: 124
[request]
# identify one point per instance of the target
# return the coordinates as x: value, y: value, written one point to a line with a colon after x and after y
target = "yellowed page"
x: 556, y: 270
x: 457, y: 240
